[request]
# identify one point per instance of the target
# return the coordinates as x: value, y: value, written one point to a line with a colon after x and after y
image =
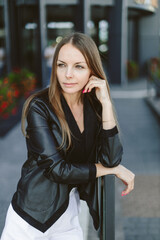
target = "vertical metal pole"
x: 87, y: 15
x: 124, y: 40
x: 118, y: 38
x: 43, y: 38
x: 7, y: 35
x: 109, y: 208
x: 100, y: 194
x: 82, y: 16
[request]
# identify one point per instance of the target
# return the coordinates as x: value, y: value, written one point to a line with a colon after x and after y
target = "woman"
x: 72, y: 139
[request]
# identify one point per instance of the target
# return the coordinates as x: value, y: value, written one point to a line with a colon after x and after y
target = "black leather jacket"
x: 47, y: 176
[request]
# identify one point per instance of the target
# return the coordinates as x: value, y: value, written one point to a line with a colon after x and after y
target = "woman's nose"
x: 69, y: 73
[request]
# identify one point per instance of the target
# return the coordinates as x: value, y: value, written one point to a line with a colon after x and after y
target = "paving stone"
x: 140, y: 134
x: 144, y: 201
x: 142, y: 228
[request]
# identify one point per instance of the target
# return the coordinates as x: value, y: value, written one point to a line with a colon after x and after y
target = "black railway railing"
x: 107, y: 207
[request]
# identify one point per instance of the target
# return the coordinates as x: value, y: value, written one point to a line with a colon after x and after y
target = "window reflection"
x: 99, y: 30
x: 103, y: 36
x: 58, y: 26
x: 28, y: 36
x: 60, y: 21
x: 2, y: 41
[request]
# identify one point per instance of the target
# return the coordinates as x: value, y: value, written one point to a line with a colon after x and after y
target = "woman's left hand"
x: 126, y: 176
x: 100, y: 86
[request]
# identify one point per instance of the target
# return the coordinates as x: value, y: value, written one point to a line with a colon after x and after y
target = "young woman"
x: 72, y: 139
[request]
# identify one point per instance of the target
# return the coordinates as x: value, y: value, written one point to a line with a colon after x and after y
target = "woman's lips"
x: 69, y: 84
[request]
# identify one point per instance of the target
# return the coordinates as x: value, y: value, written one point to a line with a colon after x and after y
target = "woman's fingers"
x: 128, y: 189
x: 88, y: 88
x: 94, y: 82
x: 129, y: 184
x: 99, y: 85
x: 127, y: 177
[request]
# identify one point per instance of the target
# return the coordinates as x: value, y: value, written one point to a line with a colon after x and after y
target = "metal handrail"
x: 107, y: 208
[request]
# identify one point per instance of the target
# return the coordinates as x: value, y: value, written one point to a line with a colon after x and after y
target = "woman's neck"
x: 73, y: 99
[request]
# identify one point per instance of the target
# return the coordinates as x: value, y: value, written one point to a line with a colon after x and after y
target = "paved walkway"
x: 140, y: 133
x: 138, y: 214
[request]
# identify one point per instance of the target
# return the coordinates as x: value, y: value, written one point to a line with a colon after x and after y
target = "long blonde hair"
x: 91, y: 54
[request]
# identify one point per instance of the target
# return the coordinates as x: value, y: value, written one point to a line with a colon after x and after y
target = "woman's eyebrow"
x: 75, y: 62
x: 60, y: 60
x: 80, y: 62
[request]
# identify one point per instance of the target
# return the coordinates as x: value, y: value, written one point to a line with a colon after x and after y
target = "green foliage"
x: 132, y: 69
x: 154, y: 69
x: 16, y: 85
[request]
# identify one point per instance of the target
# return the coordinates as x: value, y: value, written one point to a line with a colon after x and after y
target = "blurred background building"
x: 127, y: 33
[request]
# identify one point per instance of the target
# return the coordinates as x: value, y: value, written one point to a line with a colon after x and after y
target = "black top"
x: 81, y: 143
x: 77, y: 152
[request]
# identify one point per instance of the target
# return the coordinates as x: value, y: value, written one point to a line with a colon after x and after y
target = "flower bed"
x: 15, y: 86
x: 14, y: 89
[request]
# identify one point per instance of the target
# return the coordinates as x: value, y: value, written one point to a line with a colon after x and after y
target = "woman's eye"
x: 61, y: 65
x: 79, y: 67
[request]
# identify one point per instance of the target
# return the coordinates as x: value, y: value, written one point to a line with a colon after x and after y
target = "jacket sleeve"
x: 110, y: 148
x: 42, y: 143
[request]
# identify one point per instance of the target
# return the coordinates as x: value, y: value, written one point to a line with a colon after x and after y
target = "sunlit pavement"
x: 138, y: 214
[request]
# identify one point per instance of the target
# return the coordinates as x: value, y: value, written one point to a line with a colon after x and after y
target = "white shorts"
x: 67, y: 227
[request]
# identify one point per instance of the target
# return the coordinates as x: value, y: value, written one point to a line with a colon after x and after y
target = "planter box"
x: 7, y: 124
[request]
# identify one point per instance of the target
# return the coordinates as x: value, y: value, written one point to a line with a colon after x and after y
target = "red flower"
x: 6, y: 80
x: 16, y: 93
x: 9, y: 94
x: 4, y: 105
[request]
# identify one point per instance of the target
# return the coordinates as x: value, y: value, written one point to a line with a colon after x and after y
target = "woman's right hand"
x: 126, y: 176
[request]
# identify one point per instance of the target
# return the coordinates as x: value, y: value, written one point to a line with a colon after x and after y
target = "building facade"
x: 124, y: 31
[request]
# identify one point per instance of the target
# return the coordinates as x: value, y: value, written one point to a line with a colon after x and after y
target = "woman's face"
x: 72, y: 70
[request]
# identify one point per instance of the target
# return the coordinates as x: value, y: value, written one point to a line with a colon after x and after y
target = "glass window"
x: 99, y: 30
x: 27, y: 19
x: 2, y: 41
x: 60, y: 22
x: 103, y: 36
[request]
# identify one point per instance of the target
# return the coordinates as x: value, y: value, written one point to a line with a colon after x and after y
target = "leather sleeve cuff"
x: 92, y: 171
x: 109, y: 133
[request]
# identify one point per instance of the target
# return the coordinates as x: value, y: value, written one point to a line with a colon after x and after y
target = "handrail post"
x: 109, y: 208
